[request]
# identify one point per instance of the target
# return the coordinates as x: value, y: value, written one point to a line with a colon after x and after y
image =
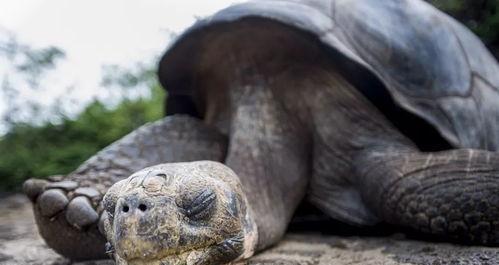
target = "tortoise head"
x: 179, y: 213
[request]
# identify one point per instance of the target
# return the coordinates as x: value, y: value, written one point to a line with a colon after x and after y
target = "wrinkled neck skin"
x: 339, y: 146
x: 331, y: 123
x: 245, y: 96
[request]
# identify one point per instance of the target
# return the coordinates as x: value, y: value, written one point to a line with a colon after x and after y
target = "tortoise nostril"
x: 142, y: 207
x: 125, y: 208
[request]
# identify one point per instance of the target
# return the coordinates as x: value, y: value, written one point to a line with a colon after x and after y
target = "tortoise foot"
x: 67, y: 216
x: 69, y: 211
x: 179, y: 213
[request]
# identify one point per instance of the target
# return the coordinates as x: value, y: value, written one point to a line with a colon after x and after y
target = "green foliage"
x: 37, y: 151
x: 23, y: 69
x: 36, y: 62
x: 30, y: 150
x: 31, y: 63
x: 36, y: 147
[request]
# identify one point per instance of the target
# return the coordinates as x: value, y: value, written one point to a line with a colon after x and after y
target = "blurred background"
x: 78, y: 75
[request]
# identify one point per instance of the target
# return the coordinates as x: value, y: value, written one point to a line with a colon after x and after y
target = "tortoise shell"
x: 431, y: 65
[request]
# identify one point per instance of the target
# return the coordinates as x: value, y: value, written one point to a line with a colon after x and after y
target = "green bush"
x: 39, y: 151
x: 29, y: 150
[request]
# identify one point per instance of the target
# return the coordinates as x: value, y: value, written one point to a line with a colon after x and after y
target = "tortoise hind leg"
x: 365, y: 170
x: 67, y: 212
x: 256, y: 192
x: 453, y: 194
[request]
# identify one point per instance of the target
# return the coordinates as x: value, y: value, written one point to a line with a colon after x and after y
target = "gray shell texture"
x: 432, y: 66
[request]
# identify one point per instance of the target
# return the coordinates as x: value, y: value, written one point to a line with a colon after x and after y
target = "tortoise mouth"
x: 173, y: 257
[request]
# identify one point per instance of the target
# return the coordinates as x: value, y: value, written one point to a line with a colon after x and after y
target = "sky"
x: 94, y: 33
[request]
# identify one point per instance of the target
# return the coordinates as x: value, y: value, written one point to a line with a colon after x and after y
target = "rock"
x: 20, y: 244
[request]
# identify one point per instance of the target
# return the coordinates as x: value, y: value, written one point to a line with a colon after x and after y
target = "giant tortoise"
x: 373, y: 111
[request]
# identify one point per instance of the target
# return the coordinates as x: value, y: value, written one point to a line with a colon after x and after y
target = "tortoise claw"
x: 34, y: 187
x: 80, y: 212
x: 67, y: 220
x: 52, y: 201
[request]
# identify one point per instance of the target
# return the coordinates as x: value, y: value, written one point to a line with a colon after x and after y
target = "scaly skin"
x: 68, y: 216
x: 293, y: 121
x: 451, y: 194
x: 180, y: 213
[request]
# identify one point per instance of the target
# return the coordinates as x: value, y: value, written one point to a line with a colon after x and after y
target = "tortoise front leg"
x: 207, y: 213
x: 453, y: 194
x: 68, y: 211
x: 270, y: 151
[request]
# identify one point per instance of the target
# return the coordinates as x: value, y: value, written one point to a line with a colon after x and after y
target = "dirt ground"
x: 20, y: 244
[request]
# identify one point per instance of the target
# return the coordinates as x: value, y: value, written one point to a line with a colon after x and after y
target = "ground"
x: 20, y: 244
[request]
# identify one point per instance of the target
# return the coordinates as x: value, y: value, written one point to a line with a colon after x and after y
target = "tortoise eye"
x: 201, y: 207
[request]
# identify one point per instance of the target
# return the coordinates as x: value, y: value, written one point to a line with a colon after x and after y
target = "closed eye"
x: 201, y: 207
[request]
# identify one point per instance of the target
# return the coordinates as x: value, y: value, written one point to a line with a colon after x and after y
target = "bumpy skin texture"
x: 179, y: 213
x: 443, y: 74
x: 76, y: 232
x: 279, y: 79
x: 345, y: 128
x: 451, y: 194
